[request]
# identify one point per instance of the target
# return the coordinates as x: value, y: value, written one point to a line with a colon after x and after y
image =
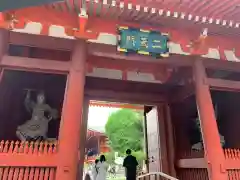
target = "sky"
x: 98, y: 116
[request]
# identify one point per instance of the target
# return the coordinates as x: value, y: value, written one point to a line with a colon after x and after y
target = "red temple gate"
x: 73, y: 44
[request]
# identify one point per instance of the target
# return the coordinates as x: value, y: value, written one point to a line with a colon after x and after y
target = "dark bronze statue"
x: 37, y: 127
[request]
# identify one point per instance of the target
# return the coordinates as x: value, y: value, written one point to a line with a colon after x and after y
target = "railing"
x: 156, y: 176
x: 232, y: 157
x: 233, y: 174
x: 28, y: 147
x: 20, y: 173
x: 232, y: 154
x: 28, y: 160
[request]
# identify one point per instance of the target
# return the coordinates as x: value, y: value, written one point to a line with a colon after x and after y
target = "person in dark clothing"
x: 130, y: 163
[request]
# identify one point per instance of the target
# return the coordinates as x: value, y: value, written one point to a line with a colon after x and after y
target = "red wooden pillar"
x: 163, y: 139
x: 4, y: 34
x: 83, y: 136
x: 69, y: 136
x: 170, y: 141
x: 213, y: 151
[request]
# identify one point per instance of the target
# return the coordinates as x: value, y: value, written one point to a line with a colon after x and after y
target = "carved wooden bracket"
x: 5, y: 20
x: 10, y: 21
x: 82, y: 31
x: 198, y: 46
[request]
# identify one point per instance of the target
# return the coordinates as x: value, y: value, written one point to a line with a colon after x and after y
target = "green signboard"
x: 6, y: 5
x: 143, y: 42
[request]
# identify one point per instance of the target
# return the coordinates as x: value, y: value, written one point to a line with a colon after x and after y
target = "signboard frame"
x: 145, y: 42
x: 7, y: 5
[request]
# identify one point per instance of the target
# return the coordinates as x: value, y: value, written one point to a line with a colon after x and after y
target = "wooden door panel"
x: 153, y: 140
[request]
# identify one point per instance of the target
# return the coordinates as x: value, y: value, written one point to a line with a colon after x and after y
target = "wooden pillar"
x: 4, y: 36
x: 69, y: 138
x: 83, y: 136
x: 213, y: 151
x: 163, y: 139
x: 170, y: 141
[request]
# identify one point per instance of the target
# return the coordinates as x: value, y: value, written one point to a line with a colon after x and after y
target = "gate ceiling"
x: 215, y: 14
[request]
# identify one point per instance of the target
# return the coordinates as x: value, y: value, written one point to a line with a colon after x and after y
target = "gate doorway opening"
x: 154, y: 100
x: 115, y: 127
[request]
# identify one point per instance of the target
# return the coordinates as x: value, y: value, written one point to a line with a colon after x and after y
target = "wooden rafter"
x: 217, y: 13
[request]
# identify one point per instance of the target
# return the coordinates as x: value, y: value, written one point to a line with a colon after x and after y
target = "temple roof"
x: 96, y: 131
x: 99, y: 129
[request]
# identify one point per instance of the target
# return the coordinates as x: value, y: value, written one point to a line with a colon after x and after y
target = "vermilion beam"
x: 27, y: 160
x: 161, y: 72
x: 107, y: 52
x: 34, y: 64
x: 116, y: 105
x: 223, y: 85
x: 232, y: 164
x: 221, y: 65
x: 124, y: 97
x: 45, y: 42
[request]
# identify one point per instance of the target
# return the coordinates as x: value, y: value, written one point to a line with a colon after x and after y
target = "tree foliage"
x: 140, y: 155
x: 110, y: 156
x: 124, y: 129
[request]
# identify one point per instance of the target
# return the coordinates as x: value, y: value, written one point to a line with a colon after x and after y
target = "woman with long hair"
x: 102, y: 168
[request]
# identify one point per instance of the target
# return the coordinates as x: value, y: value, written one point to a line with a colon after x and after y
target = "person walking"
x: 102, y: 168
x: 94, y: 170
x: 130, y: 164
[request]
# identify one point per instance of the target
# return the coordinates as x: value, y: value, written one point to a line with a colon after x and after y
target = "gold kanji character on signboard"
x: 156, y: 44
x: 132, y: 40
x: 144, y: 42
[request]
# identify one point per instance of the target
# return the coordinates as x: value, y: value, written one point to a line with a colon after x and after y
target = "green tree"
x: 124, y: 129
x: 140, y: 155
x: 110, y: 156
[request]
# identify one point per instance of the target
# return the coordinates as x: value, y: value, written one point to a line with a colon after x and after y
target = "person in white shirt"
x: 102, y: 168
x: 94, y: 170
